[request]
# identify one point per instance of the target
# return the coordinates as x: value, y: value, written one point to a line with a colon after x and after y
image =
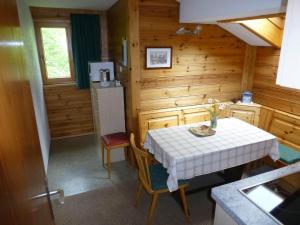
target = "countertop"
x: 242, y: 210
x: 97, y: 85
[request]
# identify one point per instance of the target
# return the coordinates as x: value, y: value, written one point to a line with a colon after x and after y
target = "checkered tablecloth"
x: 186, y: 156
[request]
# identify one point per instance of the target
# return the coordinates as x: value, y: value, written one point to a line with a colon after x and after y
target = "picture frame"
x: 158, y: 58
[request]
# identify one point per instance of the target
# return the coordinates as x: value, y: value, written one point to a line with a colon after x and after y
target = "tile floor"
x: 75, y: 166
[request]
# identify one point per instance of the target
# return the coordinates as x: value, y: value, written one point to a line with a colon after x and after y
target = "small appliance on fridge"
x: 102, y: 72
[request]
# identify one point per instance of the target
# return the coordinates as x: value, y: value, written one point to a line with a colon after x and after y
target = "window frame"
x: 52, y: 24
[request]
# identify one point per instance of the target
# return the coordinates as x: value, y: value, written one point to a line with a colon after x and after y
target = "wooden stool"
x: 113, y: 141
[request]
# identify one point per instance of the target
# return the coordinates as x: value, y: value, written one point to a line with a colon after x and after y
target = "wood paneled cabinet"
x: 246, y: 112
x: 154, y: 120
x: 149, y: 120
x: 163, y: 122
x: 195, y: 115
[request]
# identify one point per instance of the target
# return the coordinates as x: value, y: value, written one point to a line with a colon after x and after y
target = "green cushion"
x: 288, y: 155
x: 159, y: 177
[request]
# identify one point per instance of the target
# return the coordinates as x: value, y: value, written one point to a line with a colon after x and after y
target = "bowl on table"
x: 202, y: 131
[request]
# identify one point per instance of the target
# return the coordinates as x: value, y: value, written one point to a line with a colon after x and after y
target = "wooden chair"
x: 153, y: 179
x: 113, y: 141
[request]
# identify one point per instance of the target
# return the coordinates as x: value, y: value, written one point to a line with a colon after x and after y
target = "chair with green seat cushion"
x: 159, y: 177
x: 153, y: 179
x: 288, y: 155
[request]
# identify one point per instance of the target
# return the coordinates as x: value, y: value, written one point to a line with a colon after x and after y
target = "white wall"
x: 210, y: 11
x: 288, y: 70
x: 33, y: 70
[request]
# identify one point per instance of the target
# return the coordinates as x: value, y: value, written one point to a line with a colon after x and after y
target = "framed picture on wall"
x: 158, y: 58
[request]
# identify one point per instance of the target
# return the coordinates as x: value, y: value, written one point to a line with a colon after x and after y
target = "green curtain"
x: 85, y: 45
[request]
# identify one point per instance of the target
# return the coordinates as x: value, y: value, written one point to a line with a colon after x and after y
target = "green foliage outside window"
x: 56, y: 55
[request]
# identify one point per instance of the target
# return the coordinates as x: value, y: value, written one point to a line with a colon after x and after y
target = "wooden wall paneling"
x: 117, y: 25
x: 123, y: 23
x: 249, y: 68
x: 104, y: 37
x: 69, y: 110
x: 265, y: 90
x: 197, y: 80
x: 191, y: 90
x: 134, y: 60
x: 208, y: 66
x: 118, y: 30
x: 184, y: 101
x: 159, y: 3
x: 43, y: 13
x: 277, y: 101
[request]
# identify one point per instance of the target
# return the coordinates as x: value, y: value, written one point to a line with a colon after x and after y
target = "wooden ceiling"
x: 278, y: 21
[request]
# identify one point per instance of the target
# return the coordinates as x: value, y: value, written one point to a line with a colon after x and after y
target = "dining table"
x: 186, y: 155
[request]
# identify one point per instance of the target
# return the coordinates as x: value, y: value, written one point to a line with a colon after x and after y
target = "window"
x: 54, y: 44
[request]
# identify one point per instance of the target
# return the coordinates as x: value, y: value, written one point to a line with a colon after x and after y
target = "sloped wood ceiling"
x: 268, y: 29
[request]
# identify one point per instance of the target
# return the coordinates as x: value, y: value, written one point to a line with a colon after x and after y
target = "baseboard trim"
x: 70, y: 136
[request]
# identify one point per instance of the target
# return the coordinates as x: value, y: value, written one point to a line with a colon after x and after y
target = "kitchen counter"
x: 111, y: 84
x: 231, y: 203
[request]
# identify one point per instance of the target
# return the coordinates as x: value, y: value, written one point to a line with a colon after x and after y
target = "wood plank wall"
x: 265, y: 90
x: 123, y: 23
x: 117, y: 23
x: 210, y: 65
x: 69, y: 109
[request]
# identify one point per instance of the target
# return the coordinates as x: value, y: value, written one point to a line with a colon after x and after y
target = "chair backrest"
x: 142, y: 158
